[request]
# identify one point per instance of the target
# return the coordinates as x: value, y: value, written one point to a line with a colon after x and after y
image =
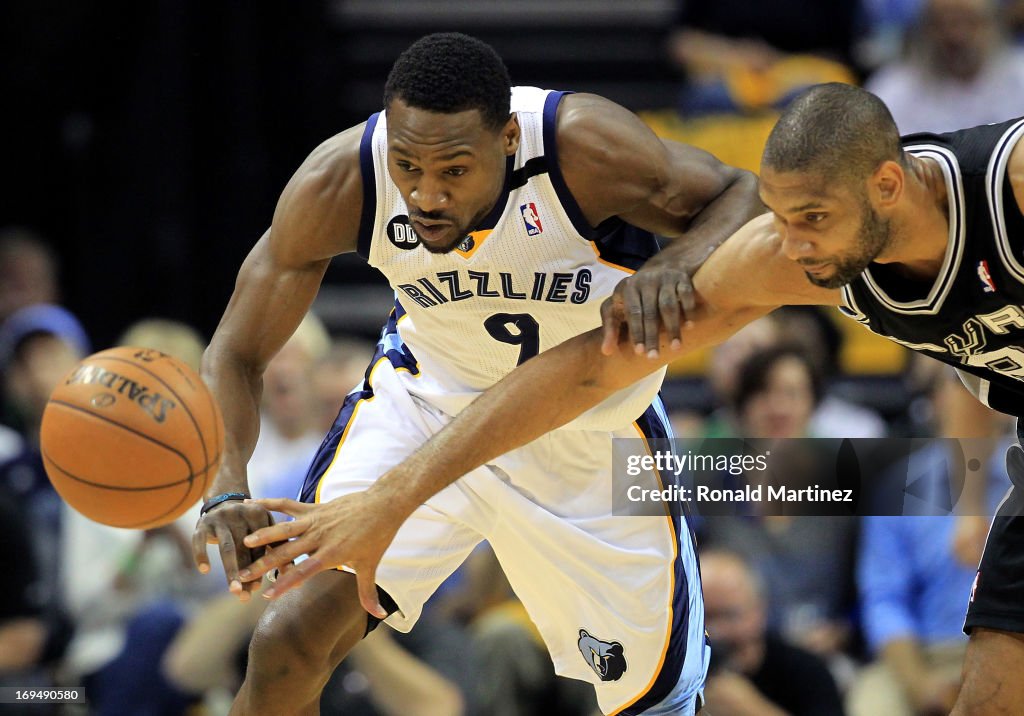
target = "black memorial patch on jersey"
x: 401, y: 234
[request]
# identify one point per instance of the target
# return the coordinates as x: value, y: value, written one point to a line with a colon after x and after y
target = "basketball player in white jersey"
x: 918, y: 239
x: 502, y: 224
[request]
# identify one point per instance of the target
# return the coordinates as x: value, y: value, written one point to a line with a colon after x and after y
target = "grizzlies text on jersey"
x: 531, y: 276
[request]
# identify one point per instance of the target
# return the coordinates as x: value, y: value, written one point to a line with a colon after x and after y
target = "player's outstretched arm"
x: 743, y: 280
x: 614, y: 165
x: 316, y: 217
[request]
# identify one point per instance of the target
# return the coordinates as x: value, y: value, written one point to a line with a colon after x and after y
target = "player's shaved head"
x: 449, y: 72
x: 834, y: 130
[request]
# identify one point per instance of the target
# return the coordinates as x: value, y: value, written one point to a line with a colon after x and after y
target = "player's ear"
x: 887, y: 182
x: 510, y: 135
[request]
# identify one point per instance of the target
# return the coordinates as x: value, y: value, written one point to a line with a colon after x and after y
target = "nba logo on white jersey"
x: 531, y: 218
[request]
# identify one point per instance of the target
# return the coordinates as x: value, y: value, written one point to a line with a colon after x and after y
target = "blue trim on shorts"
x: 389, y: 346
x: 325, y: 453
x: 656, y: 428
x: 392, y: 347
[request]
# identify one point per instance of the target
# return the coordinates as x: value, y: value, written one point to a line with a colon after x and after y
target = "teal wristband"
x: 214, y: 501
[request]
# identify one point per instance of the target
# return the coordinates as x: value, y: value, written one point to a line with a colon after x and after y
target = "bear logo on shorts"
x: 604, y: 657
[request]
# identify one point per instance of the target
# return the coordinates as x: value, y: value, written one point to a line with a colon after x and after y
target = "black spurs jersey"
x: 972, y: 315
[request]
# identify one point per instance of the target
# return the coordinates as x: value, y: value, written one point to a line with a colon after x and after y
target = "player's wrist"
x: 227, y: 480
x: 222, y: 498
x: 396, y: 494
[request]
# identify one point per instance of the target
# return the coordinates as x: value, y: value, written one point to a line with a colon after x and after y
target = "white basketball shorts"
x: 616, y: 598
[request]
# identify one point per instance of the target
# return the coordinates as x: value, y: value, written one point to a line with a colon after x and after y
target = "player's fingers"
x: 668, y: 306
x: 273, y: 559
x: 199, y: 555
x: 279, y: 532
x: 611, y: 320
x: 366, y: 583
x: 283, y: 504
x: 294, y: 577
x: 633, y: 307
x: 652, y: 318
x: 229, y: 556
x: 687, y: 296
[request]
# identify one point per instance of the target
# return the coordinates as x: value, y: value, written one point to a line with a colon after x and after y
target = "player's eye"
x: 455, y: 171
x: 815, y: 217
x: 405, y: 166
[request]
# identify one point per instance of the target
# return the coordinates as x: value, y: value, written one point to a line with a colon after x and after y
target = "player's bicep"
x: 611, y: 161
x: 691, y: 179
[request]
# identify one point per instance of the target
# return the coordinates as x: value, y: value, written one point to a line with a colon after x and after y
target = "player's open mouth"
x: 431, y: 232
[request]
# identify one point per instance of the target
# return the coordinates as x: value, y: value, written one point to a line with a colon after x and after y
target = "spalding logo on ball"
x: 131, y: 437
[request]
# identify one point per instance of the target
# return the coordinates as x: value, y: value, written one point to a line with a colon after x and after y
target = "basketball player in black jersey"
x: 919, y: 239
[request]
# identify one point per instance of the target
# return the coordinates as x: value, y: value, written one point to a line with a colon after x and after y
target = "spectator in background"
x: 23, y: 628
x: 913, y: 591
x: 28, y: 271
x: 754, y: 671
x: 129, y: 591
x: 959, y: 71
x: 290, y: 430
x: 744, y: 55
x: 777, y: 391
x: 806, y: 562
x: 38, y: 345
x: 885, y: 24
x: 1014, y: 13
x: 833, y: 416
x: 336, y: 374
x: 381, y: 679
x: 171, y: 337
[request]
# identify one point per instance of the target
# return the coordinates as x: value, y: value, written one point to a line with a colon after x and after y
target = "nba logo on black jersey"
x: 531, y: 218
x: 986, y: 277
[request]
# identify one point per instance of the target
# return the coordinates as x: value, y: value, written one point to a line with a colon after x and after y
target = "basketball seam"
x: 182, y: 403
x: 134, y: 525
x: 104, y: 418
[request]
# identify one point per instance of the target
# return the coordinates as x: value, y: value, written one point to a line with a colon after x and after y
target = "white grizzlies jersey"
x: 531, y: 276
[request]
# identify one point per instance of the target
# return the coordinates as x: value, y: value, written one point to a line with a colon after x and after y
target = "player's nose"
x: 429, y: 195
x: 796, y: 247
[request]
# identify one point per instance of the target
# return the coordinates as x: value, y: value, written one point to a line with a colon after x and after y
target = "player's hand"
x: 226, y: 525
x: 351, y: 531
x: 653, y: 299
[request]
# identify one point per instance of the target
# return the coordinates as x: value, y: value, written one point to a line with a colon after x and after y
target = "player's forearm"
x: 237, y: 389
x: 541, y: 395
x: 721, y: 217
x: 961, y: 416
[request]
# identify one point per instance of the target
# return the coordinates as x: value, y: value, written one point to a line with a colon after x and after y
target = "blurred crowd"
x: 807, y: 615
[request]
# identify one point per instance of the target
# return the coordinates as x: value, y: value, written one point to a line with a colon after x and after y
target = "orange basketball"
x: 131, y: 437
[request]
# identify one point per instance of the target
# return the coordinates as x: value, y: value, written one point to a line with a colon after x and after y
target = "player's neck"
x: 921, y: 223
